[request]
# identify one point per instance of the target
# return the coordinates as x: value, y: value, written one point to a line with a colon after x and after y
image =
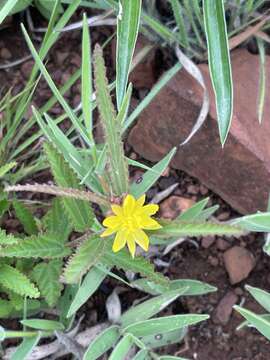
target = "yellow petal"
x: 150, y: 209
x: 150, y: 224
x: 112, y: 222
x: 131, y: 246
x: 108, y: 232
x: 140, y: 201
x: 117, y: 210
x: 119, y: 241
x: 129, y: 205
x: 142, y: 239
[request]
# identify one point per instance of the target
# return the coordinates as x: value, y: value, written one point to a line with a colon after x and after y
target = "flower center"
x: 130, y: 223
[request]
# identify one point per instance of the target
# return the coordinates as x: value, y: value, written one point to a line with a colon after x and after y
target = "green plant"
x: 259, y: 322
x: 98, y: 174
x: 19, y: 134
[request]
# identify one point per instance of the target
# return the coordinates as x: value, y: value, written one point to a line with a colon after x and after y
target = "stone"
x: 222, y: 244
x: 224, y: 309
x: 207, y: 241
x: 239, y: 172
x: 238, y: 262
x: 5, y: 54
x: 173, y: 206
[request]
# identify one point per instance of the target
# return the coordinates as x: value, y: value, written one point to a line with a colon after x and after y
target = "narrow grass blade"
x: 151, y: 95
x: 262, y: 84
x: 82, y: 131
x: 128, y: 22
x: 87, y: 88
x: 219, y: 63
x: 179, y: 19
x: 6, y: 9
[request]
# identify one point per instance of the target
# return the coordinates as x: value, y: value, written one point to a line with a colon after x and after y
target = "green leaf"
x: 7, y: 239
x: 6, y: 308
x: 168, y: 75
x: 123, y: 260
x: 118, y: 168
x: 56, y: 221
x: 45, y: 246
x: 192, y: 213
x: 75, y: 121
x: 87, y: 88
x: 6, y: 9
x: 261, y: 296
x: 259, y: 322
x: 6, y: 168
x: 14, y: 280
x: 87, y: 255
x: 219, y: 63
x: 141, y: 355
x: 151, y: 307
x: 193, y: 287
x: 26, y: 347
x: 128, y: 22
x: 46, y: 276
x: 164, y: 339
x: 163, y: 324
x: 259, y: 222
x: 151, y: 176
x: 179, y: 19
x: 89, y: 285
x: 262, y: 84
x: 26, y: 218
x: 79, y: 211
x: 41, y: 324
x: 122, y: 348
x: 177, y: 228
x: 102, y: 343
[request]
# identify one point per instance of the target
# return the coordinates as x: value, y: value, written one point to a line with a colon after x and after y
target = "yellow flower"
x: 128, y: 223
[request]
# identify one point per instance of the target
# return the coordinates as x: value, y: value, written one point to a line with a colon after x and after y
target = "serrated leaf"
x: 14, y: 280
x: 177, y: 228
x: 118, y: 168
x: 123, y: 260
x: 87, y: 255
x: 102, y: 343
x: 79, y: 211
x: 47, y: 275
x: 7, y: 239
x: 26, y: 218
x: 56, y: 221
x: 45, y: 246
